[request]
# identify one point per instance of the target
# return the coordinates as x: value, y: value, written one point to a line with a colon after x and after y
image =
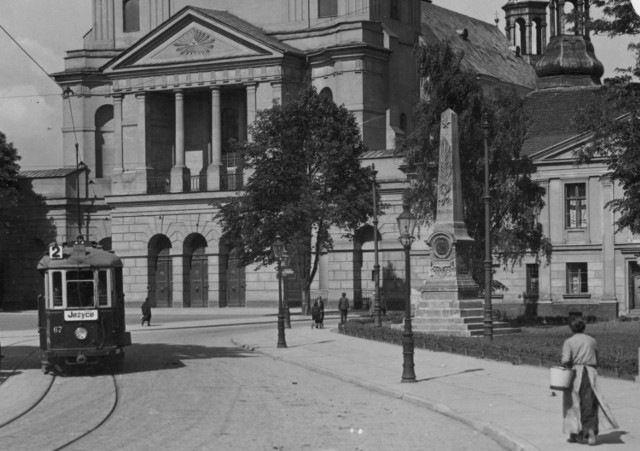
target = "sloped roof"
x: 245, y: 28
x: 551, y: 113
x: 47, y: 173
x: 486, y: 49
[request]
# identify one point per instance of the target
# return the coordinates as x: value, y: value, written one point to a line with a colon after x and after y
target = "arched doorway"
x: 232, y: 278
x: 160, y: 271
x: 196, y: 283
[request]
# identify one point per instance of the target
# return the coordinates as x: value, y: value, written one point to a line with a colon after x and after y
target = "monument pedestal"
x: 450, y: 304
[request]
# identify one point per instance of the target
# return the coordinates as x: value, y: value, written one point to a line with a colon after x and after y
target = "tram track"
x: 69, y: 408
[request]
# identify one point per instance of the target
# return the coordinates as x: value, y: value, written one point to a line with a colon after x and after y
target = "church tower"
x: 526, y: 27
x: 569, y: 60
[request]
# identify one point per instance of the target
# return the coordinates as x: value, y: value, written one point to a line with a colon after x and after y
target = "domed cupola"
x: 526, y: 27
x: 569, y: 59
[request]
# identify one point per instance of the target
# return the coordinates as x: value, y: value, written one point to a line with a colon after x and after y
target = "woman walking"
x: 584, y: 408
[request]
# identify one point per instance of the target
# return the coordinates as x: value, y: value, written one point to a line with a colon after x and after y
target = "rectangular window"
x: 577, y: 281
x: 576, y: 205
x: 103, y: 288
x: 327, y: 8
x: 532, y: 279
x: 80, y: 289
x: 57, y: 288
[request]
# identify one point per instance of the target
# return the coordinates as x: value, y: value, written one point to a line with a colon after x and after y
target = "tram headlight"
x: 81, y: 333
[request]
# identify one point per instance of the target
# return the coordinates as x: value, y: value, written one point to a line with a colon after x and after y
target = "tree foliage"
x: 306, y: 179
x: 613, y: 117
x: 516, y: 197
x: 9, y: 192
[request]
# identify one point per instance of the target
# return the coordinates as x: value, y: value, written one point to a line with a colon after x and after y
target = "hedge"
x: 538, y: 346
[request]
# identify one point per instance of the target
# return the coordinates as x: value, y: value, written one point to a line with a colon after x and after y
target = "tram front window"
x: 80, y: 289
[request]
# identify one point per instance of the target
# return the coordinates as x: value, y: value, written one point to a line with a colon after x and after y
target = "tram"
x: 81, y: 317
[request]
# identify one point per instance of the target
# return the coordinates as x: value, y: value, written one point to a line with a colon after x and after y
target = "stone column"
x: 118, y: 167
x: 141, y: 150
x: 213, y: 171
x: 252, y: 107
x: 179, y: 171
x: 529, y: 39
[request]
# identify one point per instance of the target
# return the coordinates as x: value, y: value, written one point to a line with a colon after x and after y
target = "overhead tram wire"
x: 65, y: 92
x: 29, y: 55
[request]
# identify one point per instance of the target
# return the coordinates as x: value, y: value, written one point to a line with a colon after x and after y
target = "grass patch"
x: 618, y: 343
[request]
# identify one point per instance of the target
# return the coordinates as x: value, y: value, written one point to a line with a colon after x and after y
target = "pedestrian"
x: 584, y: 408
x: 146, y: 312
x: 321, y: 305
x: 343, y: 306
x: 316, y: 315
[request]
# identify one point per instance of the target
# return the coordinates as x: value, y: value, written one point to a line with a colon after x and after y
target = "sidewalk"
x: 512, y: 404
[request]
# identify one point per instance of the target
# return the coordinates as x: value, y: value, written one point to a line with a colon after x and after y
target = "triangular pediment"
x: 560, y: 152
x: 196, y: 36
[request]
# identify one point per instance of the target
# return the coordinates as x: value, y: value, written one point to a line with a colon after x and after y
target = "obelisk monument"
x: 449, y: 294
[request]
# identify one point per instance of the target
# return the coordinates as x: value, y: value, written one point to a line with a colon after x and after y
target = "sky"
x: 31, y: 104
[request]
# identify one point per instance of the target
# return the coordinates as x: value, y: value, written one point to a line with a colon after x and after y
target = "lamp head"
x: 278, y: 247
x: 406, y: 225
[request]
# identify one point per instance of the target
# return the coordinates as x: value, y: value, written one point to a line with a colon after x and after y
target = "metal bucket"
x: 561, y: 378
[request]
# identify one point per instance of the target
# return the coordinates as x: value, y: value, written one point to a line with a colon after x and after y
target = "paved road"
x: 193, y: 389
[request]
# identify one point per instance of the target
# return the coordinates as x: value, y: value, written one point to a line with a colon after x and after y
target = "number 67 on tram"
x: 81, y: 317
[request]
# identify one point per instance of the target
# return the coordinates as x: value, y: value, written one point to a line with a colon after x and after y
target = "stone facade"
x: 160, y: 86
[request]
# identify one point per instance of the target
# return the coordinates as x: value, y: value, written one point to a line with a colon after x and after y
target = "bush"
x: 537, y: 346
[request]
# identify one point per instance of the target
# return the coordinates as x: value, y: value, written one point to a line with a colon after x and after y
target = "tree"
x: 306, y: 179
x: 9, y: 192
x: 613, y: 117
x: 448, y: 84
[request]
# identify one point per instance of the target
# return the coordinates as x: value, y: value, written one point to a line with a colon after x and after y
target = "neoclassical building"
x: 162, y: 88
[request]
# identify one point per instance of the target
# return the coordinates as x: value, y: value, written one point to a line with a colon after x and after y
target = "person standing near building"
x: 321, y: 305
x: 584, y: 408
x: 146, y: 310
x: 343, y: 306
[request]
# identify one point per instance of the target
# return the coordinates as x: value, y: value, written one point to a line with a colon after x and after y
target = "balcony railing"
x: 231, y: 182
x: 158, y: 185
x: 196, y: 183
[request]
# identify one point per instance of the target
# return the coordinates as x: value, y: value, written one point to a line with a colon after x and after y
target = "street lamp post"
x: 278, y: 252
x: 488, y: 263
x: 285, y: 300
x: 377, y: 321
x: 407, y: 223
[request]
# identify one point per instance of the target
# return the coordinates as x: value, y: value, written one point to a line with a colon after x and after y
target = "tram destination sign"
x: 80, y: 315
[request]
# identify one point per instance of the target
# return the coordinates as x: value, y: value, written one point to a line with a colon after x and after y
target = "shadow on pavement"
x: 611, y: 438
x: 160, y: 356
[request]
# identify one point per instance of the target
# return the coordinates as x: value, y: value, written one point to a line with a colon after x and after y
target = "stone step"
x: 448, y: 313
x: 436, y: 304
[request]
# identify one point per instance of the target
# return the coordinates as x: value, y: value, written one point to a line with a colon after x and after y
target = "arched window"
x: 521, y: 36
x: 327, y: 8
x: 131, y: 15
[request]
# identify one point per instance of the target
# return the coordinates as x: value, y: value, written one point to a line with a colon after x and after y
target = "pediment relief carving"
x: 197, y: 43
x: 194, y: 41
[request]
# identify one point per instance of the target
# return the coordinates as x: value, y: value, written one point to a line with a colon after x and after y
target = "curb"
x: 506, y: 439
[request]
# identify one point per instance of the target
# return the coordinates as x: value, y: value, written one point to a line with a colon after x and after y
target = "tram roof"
x: 80, y: 256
